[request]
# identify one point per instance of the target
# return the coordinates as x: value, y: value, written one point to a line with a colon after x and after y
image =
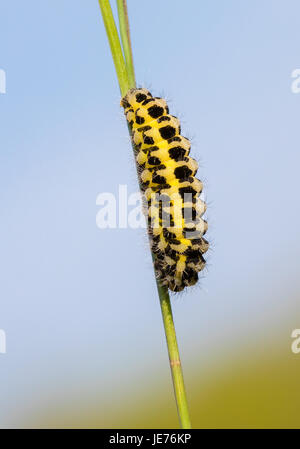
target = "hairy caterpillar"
x: 167, y: 179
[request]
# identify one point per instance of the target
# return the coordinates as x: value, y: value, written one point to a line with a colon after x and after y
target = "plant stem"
x: 115, y: 46
x: 126, y: 82
x: 175, y: 364
x: 126, y: 41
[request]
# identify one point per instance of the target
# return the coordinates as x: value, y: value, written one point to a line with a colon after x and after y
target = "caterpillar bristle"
x: 171, y: 190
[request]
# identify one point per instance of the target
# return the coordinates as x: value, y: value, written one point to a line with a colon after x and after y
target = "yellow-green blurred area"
x: 253, y: 384
x: 247, y: 390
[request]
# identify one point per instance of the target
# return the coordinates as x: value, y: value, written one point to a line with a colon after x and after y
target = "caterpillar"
x: 171, y: 191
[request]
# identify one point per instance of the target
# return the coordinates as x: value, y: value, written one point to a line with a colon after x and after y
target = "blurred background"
x: 85, y: 340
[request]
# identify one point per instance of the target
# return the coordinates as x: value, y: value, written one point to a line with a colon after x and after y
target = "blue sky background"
x: 78, y: 304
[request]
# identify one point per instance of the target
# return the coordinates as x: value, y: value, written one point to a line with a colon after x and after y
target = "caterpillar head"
x: 134, y: 98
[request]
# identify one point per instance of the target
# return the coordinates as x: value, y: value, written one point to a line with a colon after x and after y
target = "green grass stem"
x: 126, y: 41
x: 115, y: 46
x: 126, y: 77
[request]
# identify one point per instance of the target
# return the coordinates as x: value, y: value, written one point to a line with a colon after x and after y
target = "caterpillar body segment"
x: 171, y: 190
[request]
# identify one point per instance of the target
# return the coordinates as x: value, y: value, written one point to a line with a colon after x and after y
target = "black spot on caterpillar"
x: 167, y: 179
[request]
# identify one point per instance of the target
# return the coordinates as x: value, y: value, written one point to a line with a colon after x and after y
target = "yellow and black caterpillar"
x: 167, y: 179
